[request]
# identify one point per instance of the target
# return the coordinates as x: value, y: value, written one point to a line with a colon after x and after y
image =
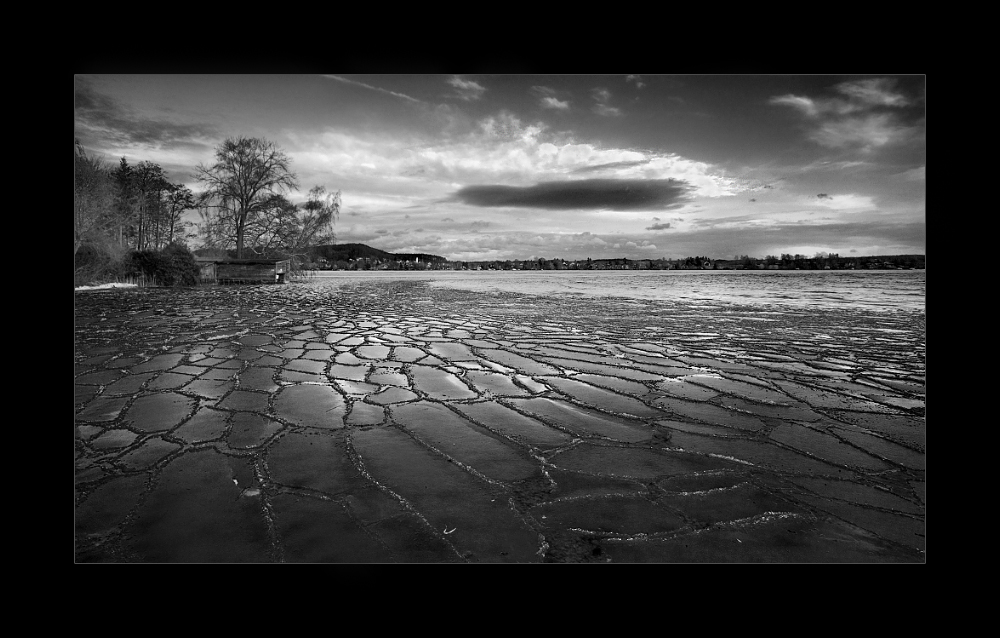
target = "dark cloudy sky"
x: 523, y: 166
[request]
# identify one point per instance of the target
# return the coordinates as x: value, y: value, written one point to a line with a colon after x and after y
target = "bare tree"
x: 322, y: 210
x: 148, y: 181
x: 179, y: 199
x: 271, y: 227
x: 247, y: 174
x: 278, y: 226
x: 217, y: 226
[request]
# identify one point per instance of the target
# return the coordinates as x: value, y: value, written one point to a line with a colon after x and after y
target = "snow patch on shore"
x: 106, y: 286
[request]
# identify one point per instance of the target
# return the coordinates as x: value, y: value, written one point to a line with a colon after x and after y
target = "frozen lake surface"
x: 876, y: 290
x: 396, y: 417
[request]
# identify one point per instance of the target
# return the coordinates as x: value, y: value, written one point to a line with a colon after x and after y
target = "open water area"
x: 505, y: 416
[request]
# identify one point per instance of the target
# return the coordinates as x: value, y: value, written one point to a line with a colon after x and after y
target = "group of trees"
x: 244, y: 206
x: 132, y: 207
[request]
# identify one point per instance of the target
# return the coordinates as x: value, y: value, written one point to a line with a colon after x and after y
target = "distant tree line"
x: 741, y: 262
x: 824, y: 261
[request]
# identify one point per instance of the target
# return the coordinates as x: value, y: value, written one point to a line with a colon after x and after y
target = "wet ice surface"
x: 875, y: 290
x: 390, y: 420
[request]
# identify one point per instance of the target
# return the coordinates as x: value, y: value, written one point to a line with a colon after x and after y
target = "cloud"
x: 109, y: 129
x: 861, y: 95
x: 466, y: 89
x: 840, y: 166
x: 637, y: 79
x: 867, y: 114
x: 610, y: 165
x: 499, y: 149
x: 803, y: 104
x: 88, y: 100
x: 590, y: 194
x: 98, y: 114
x: 553, y: 103
x: 607, y: 111
x: 548, y: 99
x: 373, y: 88
x: 866, y: 132
x: 875, y: 91
x: 658, y: 226
x: 603, y: 96
x: 507, y: 127
x: 846, y: 202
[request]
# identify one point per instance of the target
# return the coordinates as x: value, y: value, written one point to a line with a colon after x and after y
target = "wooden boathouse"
x: 244, y: 271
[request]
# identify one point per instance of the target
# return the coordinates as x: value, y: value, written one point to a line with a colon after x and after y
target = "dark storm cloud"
x: 95, y: 111
x: 611, y: 194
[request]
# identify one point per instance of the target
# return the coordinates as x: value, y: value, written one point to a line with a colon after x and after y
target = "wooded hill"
x: 347, y: 252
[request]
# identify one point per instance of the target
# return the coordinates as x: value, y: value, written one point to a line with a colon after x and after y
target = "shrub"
x: 172, y: 266
x: 97, y: 263
x: 179, y: 265
x: 144, y: 263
